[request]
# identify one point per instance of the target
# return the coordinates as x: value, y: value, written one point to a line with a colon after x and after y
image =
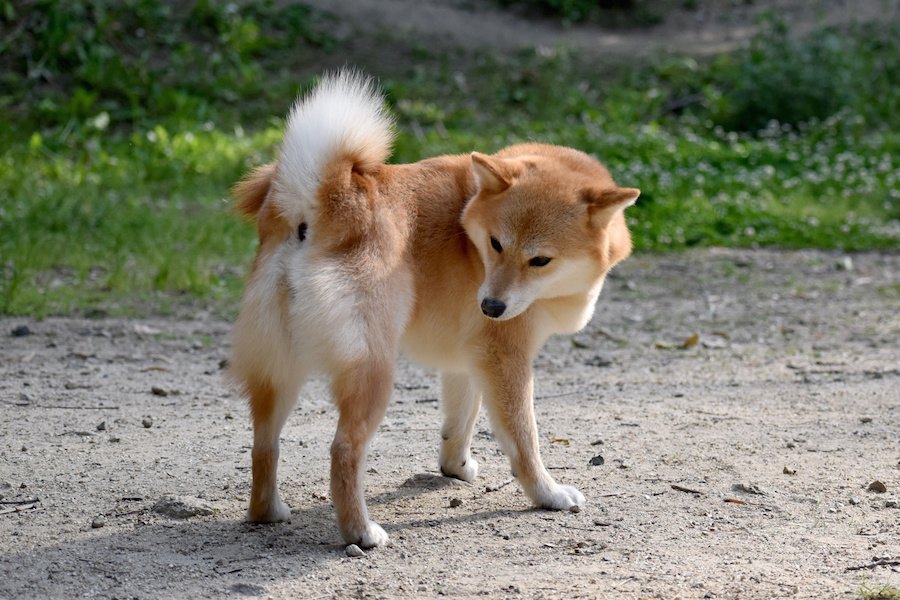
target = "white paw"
x: 466, y: 470
x: 560, y: 497
x: 373, y: 536
x: 276, y: 512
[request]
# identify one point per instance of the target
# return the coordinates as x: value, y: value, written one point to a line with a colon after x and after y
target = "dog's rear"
x: 327, y: 291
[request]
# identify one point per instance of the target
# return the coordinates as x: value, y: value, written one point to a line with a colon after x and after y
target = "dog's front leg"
x: 509, y: 398
x: 361, y: 394
x: 461, y: 401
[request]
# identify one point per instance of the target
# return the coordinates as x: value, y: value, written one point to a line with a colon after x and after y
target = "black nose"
x: 492, y: 307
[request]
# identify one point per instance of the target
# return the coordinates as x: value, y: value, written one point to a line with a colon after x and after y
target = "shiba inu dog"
x: 466, y: 263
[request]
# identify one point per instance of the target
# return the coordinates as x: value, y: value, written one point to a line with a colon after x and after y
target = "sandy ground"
x: 710, y: 27
x: 778, y: 418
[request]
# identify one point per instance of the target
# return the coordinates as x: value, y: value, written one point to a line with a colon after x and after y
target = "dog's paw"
x: 373, y: 536
x: 560, y: 497
x: 467, y: 471
x: 275, y: 512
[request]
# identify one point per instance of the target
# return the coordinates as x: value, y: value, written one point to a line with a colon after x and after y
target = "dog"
x: 466, y: 263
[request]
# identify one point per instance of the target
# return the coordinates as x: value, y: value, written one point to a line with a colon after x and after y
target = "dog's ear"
x: 251, y: 191
x: 605, y: 203
x: 493, y: 174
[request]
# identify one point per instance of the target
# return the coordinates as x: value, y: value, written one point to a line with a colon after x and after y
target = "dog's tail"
x: 340, y: 128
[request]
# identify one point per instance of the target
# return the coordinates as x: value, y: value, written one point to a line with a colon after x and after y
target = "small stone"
x: 877, y: 487
x: 892, y: 504
x: 21, y: 331
x: 158, y: 391
x: 24, y: 398
x: 354, y: 551
x: 98, y: 523
x: 575, y: 509
x: 597, y: 461
x: 114, y: 440
x: 598, y: 361
x: 147, y: 422
x: 854, y: 500
x: 845, y: 263
x: 748, y: 488
x: 23, y: 485
x: 179, y: 507
x: 247, y: 589
x: 789, y: 471
x: 455, y: 503
x: 24, y: 448
x: 865, y: 419
x: 101, y: 426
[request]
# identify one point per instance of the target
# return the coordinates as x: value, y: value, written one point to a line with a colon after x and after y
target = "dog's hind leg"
x: 269, y: 408
x: 361, y: 393
x: 461, y: 401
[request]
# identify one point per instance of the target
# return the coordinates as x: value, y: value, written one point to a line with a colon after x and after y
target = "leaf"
x: 691, y: 341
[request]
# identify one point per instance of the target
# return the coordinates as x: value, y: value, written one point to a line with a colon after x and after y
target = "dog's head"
x: 548, y: 223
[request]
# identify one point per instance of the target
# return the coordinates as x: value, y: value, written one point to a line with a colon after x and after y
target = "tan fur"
x: 399, y: 257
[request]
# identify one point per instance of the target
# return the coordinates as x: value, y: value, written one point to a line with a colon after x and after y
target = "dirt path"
x: 712, y: 26
x: 795, y: 369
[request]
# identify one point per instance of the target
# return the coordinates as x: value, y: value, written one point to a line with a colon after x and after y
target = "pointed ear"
x: 491, y: 174
x: 604, y: 204
x: 251, y: 191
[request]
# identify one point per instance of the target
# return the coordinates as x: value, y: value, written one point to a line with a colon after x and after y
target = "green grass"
x: 879, y: 592
x: 118, y: 150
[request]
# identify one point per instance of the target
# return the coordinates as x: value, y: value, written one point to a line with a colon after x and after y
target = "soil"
x: 708, y: 27
x: 724, y: 414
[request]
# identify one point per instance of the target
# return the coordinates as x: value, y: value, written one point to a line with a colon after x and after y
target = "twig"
x: 675, y: 486
x: 881, y: 562
x: 76, y: 407
x: 28, y: 501
x: 560, y: 395
x: 612, y: 337
x: 15, y: 509
x: 499, y: 486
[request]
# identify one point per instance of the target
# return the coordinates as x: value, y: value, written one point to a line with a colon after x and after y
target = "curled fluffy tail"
x: 342, y: 123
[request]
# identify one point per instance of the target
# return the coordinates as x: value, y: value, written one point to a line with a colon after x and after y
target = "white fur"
x: 344, y: 114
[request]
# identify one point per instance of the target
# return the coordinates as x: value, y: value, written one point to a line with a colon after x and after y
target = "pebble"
x: 845, y: 263
x: 158, y: 391
x: 597, y: 461
x: 180, y: 507
x: 877, y: 487
x: 98, y: 523
x: 247, y: 589
x: 147, y: 422
x: 748, y: 488
x: 789, y: 471
x: 101, y: 426
x: 854, y: 500
x: 21, y: 331
x: 354, y: 551
x: 892, y: 504
x: 455, y: 503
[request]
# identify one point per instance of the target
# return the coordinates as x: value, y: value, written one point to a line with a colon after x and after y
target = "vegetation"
x: 879, y: 592
x: 124, y: 123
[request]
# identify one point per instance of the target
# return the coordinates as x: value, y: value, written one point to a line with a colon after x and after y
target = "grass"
x: 879, y: 592
x: 119, y: 149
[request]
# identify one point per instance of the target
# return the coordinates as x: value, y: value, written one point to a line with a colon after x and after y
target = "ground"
x: 763, y: 384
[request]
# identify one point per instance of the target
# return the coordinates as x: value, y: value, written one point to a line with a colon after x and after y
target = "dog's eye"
x: 496, y: 245
x: 539, y: 261
x: 301, y: 232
